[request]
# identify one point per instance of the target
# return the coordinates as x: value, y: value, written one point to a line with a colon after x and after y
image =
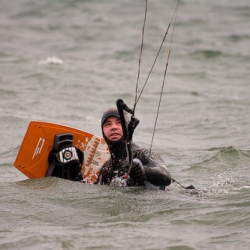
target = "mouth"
x: 112, y: 135
x: 115, y: 136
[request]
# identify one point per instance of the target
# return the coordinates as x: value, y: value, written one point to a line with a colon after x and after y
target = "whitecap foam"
x: 50, y: 60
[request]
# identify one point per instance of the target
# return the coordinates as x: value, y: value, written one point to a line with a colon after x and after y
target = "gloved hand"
x: 138, y: 172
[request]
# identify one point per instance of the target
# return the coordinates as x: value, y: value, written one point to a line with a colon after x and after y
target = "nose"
x: 114, y: 126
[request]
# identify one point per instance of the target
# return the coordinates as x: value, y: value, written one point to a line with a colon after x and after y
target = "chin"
x: 114, y: 138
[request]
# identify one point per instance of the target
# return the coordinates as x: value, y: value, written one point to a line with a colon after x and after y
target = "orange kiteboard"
x: 32, y: 158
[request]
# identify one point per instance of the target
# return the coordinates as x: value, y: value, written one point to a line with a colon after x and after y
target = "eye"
x: 106, y: 124
x: 118, y: 121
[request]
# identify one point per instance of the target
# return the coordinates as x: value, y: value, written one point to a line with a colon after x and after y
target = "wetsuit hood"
x: 108, y: 113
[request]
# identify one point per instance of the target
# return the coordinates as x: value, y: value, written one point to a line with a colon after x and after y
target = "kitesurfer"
x: 148, y: 168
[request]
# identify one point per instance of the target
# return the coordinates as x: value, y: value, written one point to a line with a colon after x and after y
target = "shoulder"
x: 139, y: 149
x: 146, y: 156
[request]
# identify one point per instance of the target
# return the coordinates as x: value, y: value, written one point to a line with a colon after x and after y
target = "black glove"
x: 138, y: 172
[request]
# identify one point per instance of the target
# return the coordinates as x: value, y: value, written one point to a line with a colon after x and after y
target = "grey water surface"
x: 68, y: 61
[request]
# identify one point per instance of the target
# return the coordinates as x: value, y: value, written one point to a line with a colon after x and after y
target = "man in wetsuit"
x: 148, y: 168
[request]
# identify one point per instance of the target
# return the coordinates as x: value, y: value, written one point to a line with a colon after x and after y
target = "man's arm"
x: 150, y: 167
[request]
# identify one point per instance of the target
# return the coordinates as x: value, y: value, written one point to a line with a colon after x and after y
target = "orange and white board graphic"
x: 32, y: 158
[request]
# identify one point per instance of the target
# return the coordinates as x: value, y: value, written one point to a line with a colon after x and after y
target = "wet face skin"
x: 112, y: 128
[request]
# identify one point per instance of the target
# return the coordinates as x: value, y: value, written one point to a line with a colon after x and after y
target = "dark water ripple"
x: 67, y: 61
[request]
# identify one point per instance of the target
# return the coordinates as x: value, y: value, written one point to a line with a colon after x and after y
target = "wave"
x: 223, y: 173
x: 207, y: 54
x: 225, y: 154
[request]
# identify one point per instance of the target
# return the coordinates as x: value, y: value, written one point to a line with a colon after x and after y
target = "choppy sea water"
x: 68, y: 61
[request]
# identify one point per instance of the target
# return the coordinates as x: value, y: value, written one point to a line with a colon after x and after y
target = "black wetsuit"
x: 157, y: 173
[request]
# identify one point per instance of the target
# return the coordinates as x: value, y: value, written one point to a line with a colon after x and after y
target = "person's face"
x: 112, y: 128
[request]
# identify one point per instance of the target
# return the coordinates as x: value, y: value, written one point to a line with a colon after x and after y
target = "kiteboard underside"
x: 32, y: 158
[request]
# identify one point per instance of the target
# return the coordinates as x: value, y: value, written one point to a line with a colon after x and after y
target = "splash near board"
x: 38, y: 143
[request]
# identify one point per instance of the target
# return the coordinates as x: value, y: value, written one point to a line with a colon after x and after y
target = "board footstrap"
x: 65, y: 160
